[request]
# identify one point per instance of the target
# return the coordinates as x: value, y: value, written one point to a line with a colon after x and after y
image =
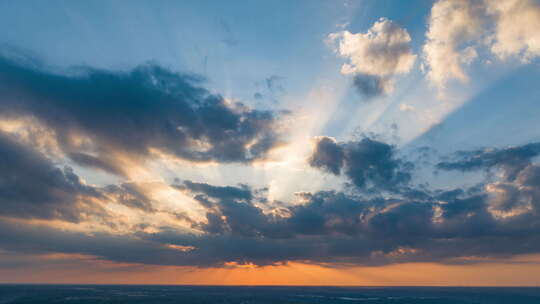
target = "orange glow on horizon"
x: 523, y: 271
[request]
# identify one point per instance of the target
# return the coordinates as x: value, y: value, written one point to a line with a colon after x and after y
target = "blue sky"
x: 194, y: 123
x: 235, y: 46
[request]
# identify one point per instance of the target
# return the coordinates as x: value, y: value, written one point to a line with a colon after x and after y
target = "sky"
x: 270, y: 142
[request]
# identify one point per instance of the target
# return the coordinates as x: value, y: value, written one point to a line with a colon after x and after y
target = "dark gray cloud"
x: 495, y: 220
x: 529, y: 176
x: 511, y: 160
x: 121, y: 248
x: 243, y: 192
x: 368, y: 163
x: 329, y: 227
x: 522, y: 195
x: 442, y: 226
x: 370, y: 86
x: 32, y: 187
x: 328, y: 213
x: 231, y: 210
x: 328, y: 155
x: 97, y: 113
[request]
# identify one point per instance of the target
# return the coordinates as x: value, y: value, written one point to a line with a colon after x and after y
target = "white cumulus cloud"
x: 458, y: 28
x: 454, y: 26
x: 517, y: 31
x: 375, y: 56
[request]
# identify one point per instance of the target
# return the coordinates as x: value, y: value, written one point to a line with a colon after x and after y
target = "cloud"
x: 516, y: 192
x: 38, y: 239
x: 100, y: 116
x: 96, y: 115
x: 368, y: 163
x: 223, y: 192
x: 450, y: 226
x: 385, y: 221
x: 498, y: 219
x: 376, y: 56
x: 372, y: 86
x: 230, y: 210
x: 453, y: 27
x: 328, y: 155
x: 516, y: 32
x: 328, y: 227
x: 458, y: 28
x: 131, y: 195
x: 511, y: 160
x: 102, y: 162
x: 32, y: 187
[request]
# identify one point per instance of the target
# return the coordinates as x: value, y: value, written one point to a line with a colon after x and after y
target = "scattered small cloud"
x: 376, y: 56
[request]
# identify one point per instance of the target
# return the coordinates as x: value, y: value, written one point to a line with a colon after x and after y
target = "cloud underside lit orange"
x: 520, y: 271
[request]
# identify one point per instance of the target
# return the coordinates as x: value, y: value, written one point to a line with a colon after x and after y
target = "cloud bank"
x: 387, y: 219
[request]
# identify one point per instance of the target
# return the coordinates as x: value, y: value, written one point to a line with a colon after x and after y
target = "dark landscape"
x: 26, y: 294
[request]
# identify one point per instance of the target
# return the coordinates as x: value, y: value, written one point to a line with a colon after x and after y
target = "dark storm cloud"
x: 512, y: 160
x: 96, y: 113
x: 368, y: 163
x: 32, y: 187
